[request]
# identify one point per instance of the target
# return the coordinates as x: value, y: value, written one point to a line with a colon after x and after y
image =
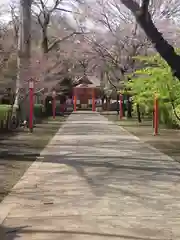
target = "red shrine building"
x: 87, y: 91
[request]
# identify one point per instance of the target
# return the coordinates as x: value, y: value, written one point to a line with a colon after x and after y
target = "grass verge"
x: 18, y: 152
x: 167, y: 141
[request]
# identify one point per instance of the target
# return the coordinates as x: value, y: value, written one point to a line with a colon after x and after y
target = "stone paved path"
x: 95, y: 181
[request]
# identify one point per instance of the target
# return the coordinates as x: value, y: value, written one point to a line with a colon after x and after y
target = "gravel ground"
x: 168, y: 140
x: 17, y: 152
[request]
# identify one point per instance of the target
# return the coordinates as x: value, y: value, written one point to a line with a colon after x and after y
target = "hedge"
x: 38, y: 111
x: 5, y: 111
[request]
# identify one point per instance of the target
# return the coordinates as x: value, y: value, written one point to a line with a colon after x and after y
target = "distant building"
x: 88, y: 85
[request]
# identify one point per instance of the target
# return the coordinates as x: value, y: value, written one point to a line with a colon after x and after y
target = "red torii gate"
x: 84, y: 92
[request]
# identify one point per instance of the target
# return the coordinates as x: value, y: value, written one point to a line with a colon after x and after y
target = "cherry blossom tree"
x: 146, y: 14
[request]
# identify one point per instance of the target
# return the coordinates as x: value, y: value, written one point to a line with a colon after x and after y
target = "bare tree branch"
x: 162, y: 46
x: 54, y: 44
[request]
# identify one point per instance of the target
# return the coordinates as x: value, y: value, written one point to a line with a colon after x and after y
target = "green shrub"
x: 38, y: 110
x: 156, y: 79
x: 176, y: 120
x: 5, y: 111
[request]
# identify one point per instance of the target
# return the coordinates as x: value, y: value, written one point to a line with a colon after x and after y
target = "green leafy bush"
x: 5, y: 111
x: 38, y: 110
x: 156, y: 79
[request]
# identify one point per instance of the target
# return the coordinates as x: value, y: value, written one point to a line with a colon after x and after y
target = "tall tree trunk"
x: 129, y: 107
x: 138, y: 113
x: 166, y: 51
x: 102, y: 99
x: 44, y: 40
x: 23, y: 59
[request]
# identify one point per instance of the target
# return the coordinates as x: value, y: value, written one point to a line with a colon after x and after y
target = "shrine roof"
x: 88, y: 82
x: 84, y: 85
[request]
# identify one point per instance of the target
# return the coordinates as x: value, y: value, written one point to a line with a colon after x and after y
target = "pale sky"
x: 6, y: 16
x: 4, y: 8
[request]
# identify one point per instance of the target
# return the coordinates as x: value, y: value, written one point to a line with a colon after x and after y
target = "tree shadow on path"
x: 15, y: 233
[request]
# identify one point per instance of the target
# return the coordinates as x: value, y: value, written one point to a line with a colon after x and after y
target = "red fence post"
x: 74, y: 103
x: 93, y: 100
x: 120, y: 106
x: 54, y: 104
x: 156, y: 117
x: 31, y: 104
x: 74, y: 100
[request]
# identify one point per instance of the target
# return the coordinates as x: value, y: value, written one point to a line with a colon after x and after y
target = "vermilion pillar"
x: 93, y: 100
x: 74, y: 100
x: 156, y: 117
x: 120, y: 106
